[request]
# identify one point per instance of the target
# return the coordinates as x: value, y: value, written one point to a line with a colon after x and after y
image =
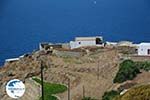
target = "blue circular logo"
x: 15, y: 88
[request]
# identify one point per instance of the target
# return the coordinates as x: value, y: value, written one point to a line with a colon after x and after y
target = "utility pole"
x: 69, y: 89
x: 42, y: 83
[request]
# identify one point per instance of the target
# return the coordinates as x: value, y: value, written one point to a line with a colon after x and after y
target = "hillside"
x: 136, y: 93
x: 91, y: 73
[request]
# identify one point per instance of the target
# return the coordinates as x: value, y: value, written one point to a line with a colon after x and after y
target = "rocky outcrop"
x: 23, y: 70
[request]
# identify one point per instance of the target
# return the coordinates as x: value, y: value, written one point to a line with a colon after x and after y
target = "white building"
x: 144, y: 49
x: 111, y: 43
x: 11, y: 60
x: 125, y: 43
x: 86, y: 41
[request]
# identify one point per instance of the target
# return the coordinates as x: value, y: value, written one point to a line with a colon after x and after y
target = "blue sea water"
x: 26, y: 23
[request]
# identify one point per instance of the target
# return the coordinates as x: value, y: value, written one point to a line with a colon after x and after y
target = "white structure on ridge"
x: 86, y: 41
x: 144, y: 49
x: 11, y: 60
x: 125, y: 43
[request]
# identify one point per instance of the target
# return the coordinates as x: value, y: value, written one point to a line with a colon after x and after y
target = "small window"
x: 148, y: 51
x: 99, y: 41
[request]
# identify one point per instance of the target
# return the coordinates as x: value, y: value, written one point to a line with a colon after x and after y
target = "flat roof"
x: 11, y: 59
x: 87, y: 38
x: 145, y: 44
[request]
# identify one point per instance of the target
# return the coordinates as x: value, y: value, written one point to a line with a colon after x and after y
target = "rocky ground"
x: 90, y: 74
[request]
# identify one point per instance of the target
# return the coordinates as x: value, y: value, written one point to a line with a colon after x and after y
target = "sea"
x: 26, y: 23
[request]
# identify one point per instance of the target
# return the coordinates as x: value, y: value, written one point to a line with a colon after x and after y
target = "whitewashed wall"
x: 143, y: 50
x: 77, y: 44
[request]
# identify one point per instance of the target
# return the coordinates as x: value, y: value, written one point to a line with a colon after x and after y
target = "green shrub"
x: 127, y: 71
x: 88, y: 98
x: 50, y: 89
x: 143, y: 65
x: 110, y: 95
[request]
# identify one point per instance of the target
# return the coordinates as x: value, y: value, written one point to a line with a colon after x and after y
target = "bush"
x: 88, y: 98
x: 110, y: 95
x: 50, y: 89
x: 127, y: 71
x: 143, y: 65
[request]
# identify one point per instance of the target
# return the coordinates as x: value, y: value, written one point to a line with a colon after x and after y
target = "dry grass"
x: 136, y: 93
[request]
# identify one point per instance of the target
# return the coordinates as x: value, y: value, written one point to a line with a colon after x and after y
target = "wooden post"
x: 83, y: 91
x: 42, y: 84
x: 98, y: 69
x: 69, y: 89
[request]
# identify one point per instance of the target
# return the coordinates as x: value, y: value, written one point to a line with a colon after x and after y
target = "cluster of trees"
x: 127, y: 71
x: 143, y: 65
